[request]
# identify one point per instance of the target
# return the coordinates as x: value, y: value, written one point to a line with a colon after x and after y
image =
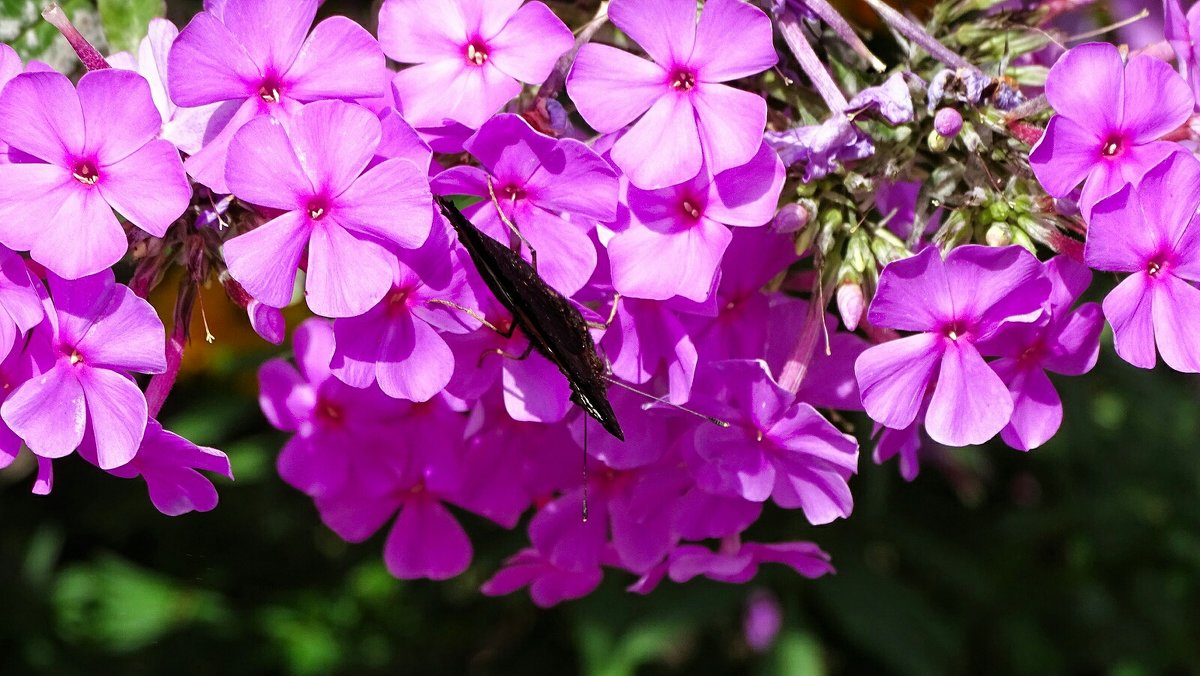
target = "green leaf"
x: 126, y: 22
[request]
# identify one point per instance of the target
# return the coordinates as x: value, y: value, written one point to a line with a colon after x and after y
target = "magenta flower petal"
x: 355, y: 514
x: 361, y: 71
x: 730, y: 124
x: 1128, y: 309
x: 331, y: 141
x: 534, y: 390
x: 1156, y: 100
x: 893, y: 377
x: 1115, y: 242
x: 265, y: 260
x: 414, y: 363
x: 169, y: 463
x: 116, y: 411
x: 346, y: 275
x: 148, y: 187
x: 1077, y: 343
x: 32, y: 196
x: 1175, y: 307
x: 611, y: 88
x: 532, y: 24
x: 73, y: 251
x: 921, y: 291
x: 412, y: 31
x: 747, y: 195
x: 970, y: 403
x: 278, y: 386
x: 666, y: 29
x: 426, y: 541
x: 210, y: 71
x: 208, y: 165
x: 1064, y: 156
x: 48, y: 412
x: 466, y: 95
x: 119, y: 115
x: 40, y: 115
x: 732, y: 22
x: 126, y: 334
x: 1037, y: 409
x: 270, y: 30
x: 390, y: 201
x: 669, y: 128
x: 265, y: 170
x: 1088, y: 84
x: 990, y: 286
x: 637, y: 254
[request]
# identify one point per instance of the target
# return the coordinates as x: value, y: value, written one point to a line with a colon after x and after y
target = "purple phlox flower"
x: 1110, y: 117
x: 548, y: 584
x: 311, y: 168
x: 890, y: 100
x: 905, y: 444
x: 334, y: 426
x: 701, y: 515
x: 1151, y: 233
x: 648, y: 433
x: 821, y: 149
x: 964, y: 84
x: 258, y: 56
x: 775, y: 447
x: 267, y: 322
x: 169, y: 465
x: 648, y: 339
x: 677, y: 236
x: 10, y: 67
x: 1181, y: 31
x: 739, y: 328
x: 397, y: 343
x: 762, y: 620
x: 95, y: 333
x: 1063, y: 341
x: 630, y: 519
x: 537, y: 180
x: 426, y: 540
x: 401, y: 142
x: 735, y: 562
x: 185, y: 128
x: 471, y: 56
x: 684, y: 117
x: 86, y: 153
x: 950, y: 305
x: 20, y: 300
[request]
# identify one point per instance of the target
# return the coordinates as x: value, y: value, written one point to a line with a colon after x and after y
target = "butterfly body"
x: 554, y: 326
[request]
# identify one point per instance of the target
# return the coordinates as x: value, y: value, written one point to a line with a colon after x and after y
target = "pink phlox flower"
x: 96, y: 331
x: 1151, y: 233
x: 648, y: 339
x: 334, y: 426
x: 170, y: 464
x: 423, y: 469
x: 950, y: 305
x: 775, y: 447
x: 677, y: 236
x: 1064, y: 341
x: 471, y: 56
x: 1110, y: 117
x: 548, y: 584
x: 683, y: 117
x: 398, y: 343
x: 20, y: 300
x: 821, y: 149
x: 736, y: 562
x: 1181, y: 31
x: 537, y: 180
x: 260, y: 56
x: 87, y: 152
x: 311, y: 167
x: 17, y: 367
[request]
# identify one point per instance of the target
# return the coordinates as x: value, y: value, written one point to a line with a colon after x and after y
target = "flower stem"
x: 91, y: 58
x: 810, y: 63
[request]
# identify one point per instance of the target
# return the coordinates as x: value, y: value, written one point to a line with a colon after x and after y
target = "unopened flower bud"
x: 267, y: 322
x: 850, y: 304
x: 999, y: 234
x: 948, y: 122
x: 937, y: 143
x: 791, y: 218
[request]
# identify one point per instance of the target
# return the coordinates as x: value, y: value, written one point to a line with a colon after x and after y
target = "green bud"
x: 938, y: 143
x: 858, y: 251
x: 999, y: 234
x: 1019, y: 236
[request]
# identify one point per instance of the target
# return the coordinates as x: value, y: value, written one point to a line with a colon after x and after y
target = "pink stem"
x: 92, y: 60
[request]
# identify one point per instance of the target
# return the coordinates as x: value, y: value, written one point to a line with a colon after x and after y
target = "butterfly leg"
x: 507, y: 355
x: 474, y: 314
x: 612, y: 315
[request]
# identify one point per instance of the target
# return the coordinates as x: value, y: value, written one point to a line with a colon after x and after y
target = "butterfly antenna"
x: 512, y: 227
x: 585, y: 476
x: 716, y: 421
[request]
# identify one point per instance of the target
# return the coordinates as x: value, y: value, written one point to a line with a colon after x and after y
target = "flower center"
x: 268, y: 90
x: 954, y: 331
x: 85, y: 172
x: 397, y: 301
x: 1112, y: 147
x: 329, y: 412
x: 513, y: 192
x: 477, y: 53
x: 1154, y: 267
x: 317, y: 209
x: 76, y: 358
x: 683, y: 80
x: 690, y: 208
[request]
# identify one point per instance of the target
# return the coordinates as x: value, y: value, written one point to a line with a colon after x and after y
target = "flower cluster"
x: 643, y: 177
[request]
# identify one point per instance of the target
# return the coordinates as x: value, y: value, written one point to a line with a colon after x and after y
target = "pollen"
x: 690, y: 209
x: 268, y: 93
x: 476, y: 54
x: 683, y: 80
x: 86, y: 174
x: 76, y: 358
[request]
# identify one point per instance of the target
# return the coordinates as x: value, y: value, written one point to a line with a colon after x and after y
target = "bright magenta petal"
x: 339, y: 59
x: 970, y: 403
x: 732, y: 22
x: 217, y: 64
x: 48, y: 412
x: 893, y: 377
x: 426, y: 541
x: 148, y: 187
x: 1128, y: 309
x: 662, y: 148
x: 731, y: 123
x: 666, y: 29
x: 611, y: 88
x: 263, y: 168
x: 1156, y: 101
x: 116, y: 415
x: 265, y: 260
x: 346, y: 275
x: 1086, y: 85
x: 40, y: 115
x: 530, y: 43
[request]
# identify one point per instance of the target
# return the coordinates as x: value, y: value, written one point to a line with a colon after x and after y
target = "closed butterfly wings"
x: 552, y: 324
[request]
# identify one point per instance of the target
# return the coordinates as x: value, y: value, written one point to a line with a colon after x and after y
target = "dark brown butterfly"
x: 554, y: 326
